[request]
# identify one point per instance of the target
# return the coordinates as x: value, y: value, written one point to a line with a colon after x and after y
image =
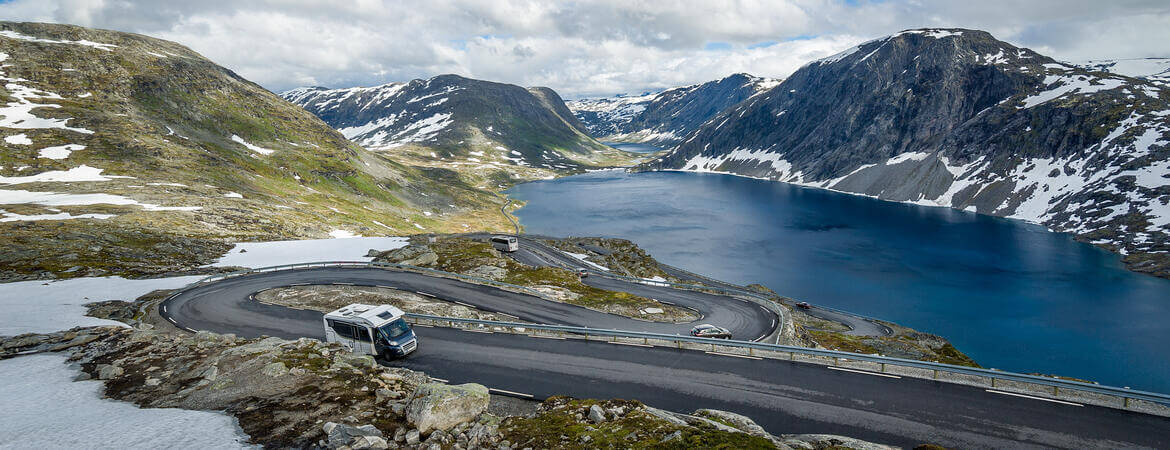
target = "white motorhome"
x: 505, y: 243
x: 371, y: 330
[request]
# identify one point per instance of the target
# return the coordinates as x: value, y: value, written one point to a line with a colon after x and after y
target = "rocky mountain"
x: 133, y: 155
x: 956, y: 118
x: 665, y: 118
x: 459, y: 120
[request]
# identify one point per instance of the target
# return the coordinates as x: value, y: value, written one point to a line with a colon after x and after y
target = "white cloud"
x: 589, y: 47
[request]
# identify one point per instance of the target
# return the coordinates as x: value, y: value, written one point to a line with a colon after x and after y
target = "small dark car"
x: 803, y: 305
x: 582, y: 273
x: 710, y: 331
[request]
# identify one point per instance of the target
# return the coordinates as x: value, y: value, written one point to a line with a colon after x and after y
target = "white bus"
x: 371, y: 330
x: 505, y: 243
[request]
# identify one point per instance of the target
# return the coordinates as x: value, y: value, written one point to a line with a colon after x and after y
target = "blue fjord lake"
x: 1010, y: 294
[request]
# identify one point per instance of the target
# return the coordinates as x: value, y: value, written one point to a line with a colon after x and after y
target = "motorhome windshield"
x: 394, y: 329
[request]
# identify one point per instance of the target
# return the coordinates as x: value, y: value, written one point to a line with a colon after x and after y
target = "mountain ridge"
x: 450, y: 119
x: 666, y: 117
x: 954, y: 117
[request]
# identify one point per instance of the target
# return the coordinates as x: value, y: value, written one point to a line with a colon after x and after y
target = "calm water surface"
x: 1010, y: 294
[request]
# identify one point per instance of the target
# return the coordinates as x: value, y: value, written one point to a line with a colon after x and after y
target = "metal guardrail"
x: 837, y: 356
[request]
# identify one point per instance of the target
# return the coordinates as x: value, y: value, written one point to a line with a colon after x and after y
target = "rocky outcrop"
x: 956, y: 118
x: 435, y: 406
x: 566, y: 422
x: 411, y: 255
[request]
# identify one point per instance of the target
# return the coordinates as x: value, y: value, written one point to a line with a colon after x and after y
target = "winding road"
x: 783, y: 396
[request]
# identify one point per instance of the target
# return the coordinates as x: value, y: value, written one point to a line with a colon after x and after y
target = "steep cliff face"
x: 459, y: 119
x: 956, y: 118
x: 667, y: 117
x: 129, y: 154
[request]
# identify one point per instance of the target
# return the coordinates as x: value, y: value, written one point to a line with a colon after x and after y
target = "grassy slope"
x: 163, y: 114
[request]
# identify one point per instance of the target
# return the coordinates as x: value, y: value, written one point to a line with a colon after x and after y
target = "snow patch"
x: 60, y: 151
x: 257, y: 149
x: 274, y: 253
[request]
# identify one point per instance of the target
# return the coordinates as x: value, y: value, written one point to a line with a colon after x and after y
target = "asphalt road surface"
x: 784, y: 397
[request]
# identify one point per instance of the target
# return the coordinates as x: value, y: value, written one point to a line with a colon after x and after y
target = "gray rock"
x: 108, y: 372
x: 152, y: 382
x: 489, y: 272
x: 596, y: 414
x: 435, y: 406
x: 369, y: 442
x: 667, y: 416
x: 412, y: 437
x: 339, y: 434
x: 829, y: 440
x: 384, y: 394
x: 275, y: 369
x: 672, y: 436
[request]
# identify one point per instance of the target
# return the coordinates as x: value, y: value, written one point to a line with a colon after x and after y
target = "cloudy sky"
x: 586, y: 48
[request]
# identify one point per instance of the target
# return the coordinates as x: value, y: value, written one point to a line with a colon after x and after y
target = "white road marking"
x: 864, y: 372
x: 464, y: 304
x: 440, y: 379
x: 507, y: 315
x: 510, y: 392
x: 477, y: 331
x: 189, y: 329
x: 733, y: 355
x: 993, y: 391
x: 164, y: 308
x: 343, y: 284
x: 420, y: 293
x: 172, y: 320
x: 546, y: 337
x: 631, y: 344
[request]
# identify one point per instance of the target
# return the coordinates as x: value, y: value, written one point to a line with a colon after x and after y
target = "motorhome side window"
x: 361, y: 333
x: 344, y: 330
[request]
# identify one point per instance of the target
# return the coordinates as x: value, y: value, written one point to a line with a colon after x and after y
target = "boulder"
x: 435, y: 406
x: 108, y: 372
x: 412, y: 437
x: 339, y: 434
x: 412, y: 255
x: 596, y: 414
x: 740, y: 422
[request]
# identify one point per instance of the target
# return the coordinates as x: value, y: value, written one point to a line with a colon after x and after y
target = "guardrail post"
x: 992, y: 381
x: 936, y: 374
x: 751, y: 351
x: 883, y: 367
x: 1126, y: 401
